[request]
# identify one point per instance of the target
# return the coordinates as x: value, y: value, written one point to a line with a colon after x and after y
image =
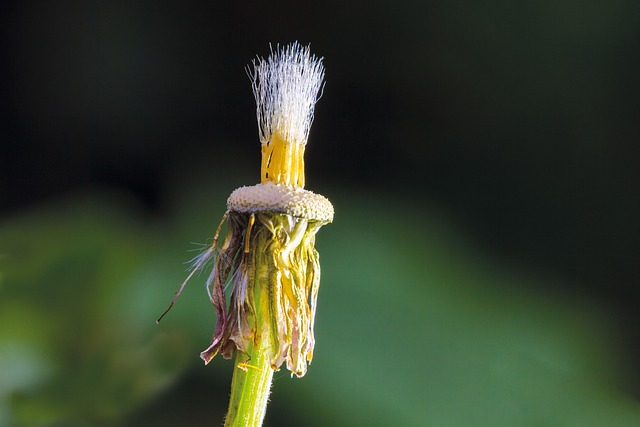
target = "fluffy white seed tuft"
x: 286, y: 87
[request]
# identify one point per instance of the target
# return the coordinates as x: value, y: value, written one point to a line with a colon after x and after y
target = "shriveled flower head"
x: 267, y: 259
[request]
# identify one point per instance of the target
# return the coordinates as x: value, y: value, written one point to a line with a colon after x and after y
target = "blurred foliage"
x: 416, y: 326
x: 484, y: 262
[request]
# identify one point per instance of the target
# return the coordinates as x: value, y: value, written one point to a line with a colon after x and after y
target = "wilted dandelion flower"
x: 267, y: 260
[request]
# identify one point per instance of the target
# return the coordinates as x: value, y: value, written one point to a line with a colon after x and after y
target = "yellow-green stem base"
x: 249, y: 390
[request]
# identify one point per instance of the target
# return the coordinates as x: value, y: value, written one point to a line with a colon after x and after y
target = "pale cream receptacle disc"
x: 271, y: 197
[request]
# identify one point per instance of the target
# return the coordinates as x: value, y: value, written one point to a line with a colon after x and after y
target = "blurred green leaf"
x: 65, y: 268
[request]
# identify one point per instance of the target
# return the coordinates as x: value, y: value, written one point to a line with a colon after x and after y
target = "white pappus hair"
x: 286, y: 87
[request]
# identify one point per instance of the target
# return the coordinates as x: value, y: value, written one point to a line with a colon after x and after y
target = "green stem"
x: 253, y: 372
x: 249, y: 390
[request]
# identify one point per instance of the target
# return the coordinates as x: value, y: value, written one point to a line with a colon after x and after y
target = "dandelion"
x: 267, y: 260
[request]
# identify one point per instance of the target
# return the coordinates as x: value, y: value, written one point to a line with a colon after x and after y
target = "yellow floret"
x: 282, y: 161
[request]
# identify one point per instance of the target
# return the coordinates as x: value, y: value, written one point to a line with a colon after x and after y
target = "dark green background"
x: 482, y: 157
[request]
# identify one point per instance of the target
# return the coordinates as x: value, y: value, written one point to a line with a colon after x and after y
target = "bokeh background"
x: 482, y: 157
